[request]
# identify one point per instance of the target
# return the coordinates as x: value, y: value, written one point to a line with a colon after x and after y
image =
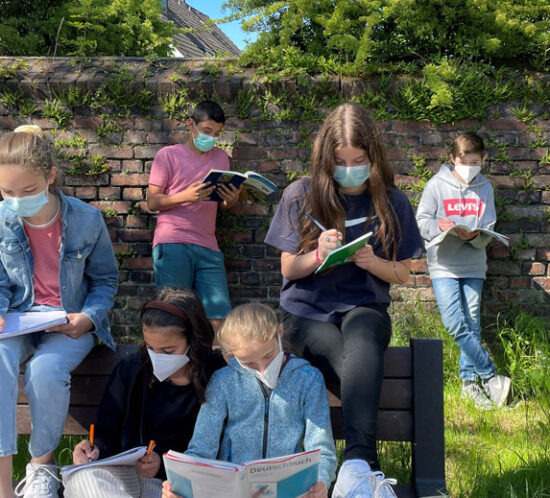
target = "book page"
x: 129, y: 457
x: 258, y: 182
x: 451, y: 231
x: 201, y: 478
x: 31, y: 321
x: 283, y: 477
x: 341, y: 255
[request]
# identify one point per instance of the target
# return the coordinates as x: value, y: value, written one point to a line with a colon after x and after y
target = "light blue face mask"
x: 351, y: 176
x: 28, y: 205
x: 204, y: 142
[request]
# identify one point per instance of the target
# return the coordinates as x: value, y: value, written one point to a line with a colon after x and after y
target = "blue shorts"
x: 194, y: 267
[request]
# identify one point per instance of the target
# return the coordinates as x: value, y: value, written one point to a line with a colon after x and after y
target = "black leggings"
x: 350, y: 353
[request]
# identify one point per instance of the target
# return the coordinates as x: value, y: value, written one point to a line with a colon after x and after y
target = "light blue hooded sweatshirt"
x: 445, y: 197
x: 241, y: 422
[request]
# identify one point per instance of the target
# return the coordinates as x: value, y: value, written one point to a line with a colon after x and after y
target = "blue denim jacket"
x: 88, y: 271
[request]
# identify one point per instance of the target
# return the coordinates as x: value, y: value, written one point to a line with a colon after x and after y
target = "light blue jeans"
x: 52, y: 357
x: 459, y: 302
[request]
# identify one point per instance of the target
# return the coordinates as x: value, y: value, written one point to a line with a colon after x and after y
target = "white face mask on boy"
x: 165, y: 365
x: 272, y: 371
x: 467, y: 173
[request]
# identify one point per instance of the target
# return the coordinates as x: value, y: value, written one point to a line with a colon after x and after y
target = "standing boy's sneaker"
x: 40, y: 481
x: 472, y: 391
x: 355, y: 480
x: 497, y: 388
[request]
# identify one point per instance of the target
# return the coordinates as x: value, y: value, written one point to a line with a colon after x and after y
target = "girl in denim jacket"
x: 55, y: 253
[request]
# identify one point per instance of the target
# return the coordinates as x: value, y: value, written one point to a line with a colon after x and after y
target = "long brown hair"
x: 348, y: 125
x: 196, y: 329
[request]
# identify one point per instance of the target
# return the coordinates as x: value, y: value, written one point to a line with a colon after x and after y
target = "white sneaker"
x: 355, y: 480
x: 384, y: 486
x: 40, y: 481
x: 497, y: 388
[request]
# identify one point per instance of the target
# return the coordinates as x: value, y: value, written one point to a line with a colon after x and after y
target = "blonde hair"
x: 26, y: 148
x: 251, y: 322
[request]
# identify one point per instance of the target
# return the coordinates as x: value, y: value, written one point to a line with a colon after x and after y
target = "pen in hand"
x: 92, y: 430
x: 319, y: 225
x: 150, y: 447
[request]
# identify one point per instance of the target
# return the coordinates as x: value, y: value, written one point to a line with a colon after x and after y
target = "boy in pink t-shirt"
x: 185, y: 250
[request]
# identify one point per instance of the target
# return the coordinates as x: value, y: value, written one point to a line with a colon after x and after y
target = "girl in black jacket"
x: 153, y: 394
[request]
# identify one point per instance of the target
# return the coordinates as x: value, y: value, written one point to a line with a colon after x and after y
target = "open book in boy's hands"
x: 342, y: 255
x: 19, y: 323
x: 284, y: 477
x: 250, y: 179
x: 128, y: 457
x: 451, y: 231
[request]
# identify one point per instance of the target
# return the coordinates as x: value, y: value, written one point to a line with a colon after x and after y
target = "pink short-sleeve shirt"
x: 175, y: 168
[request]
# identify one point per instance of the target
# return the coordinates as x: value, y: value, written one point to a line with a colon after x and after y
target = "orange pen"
x: 150, y: 447
x: 92, y: 430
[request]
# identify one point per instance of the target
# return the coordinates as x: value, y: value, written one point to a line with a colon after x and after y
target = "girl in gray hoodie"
x: 460, y: 195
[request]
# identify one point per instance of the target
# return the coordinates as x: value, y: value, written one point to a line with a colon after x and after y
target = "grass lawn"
x: 501, y: 453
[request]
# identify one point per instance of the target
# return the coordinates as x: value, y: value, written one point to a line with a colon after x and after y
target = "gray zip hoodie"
x: 444, y: 197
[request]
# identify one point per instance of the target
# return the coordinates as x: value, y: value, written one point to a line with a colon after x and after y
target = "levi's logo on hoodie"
x: 463, y: 207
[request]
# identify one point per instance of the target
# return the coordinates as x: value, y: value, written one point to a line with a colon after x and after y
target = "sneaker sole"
x: 506, y: 389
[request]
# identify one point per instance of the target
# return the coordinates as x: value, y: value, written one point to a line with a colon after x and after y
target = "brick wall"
x: 128, y: 138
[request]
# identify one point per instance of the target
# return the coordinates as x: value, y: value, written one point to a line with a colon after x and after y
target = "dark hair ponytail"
x: 196, y: 329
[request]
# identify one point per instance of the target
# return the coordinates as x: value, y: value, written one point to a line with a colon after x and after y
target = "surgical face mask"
x: 272, y: 371
x: 28, y: 205
x: 467, y: 173
x: 351, y: 176
x: 165, y: 365
x: 204, y: 142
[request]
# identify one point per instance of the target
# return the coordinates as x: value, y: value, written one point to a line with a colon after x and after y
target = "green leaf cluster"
x: 360, y: 36
x: 84, y: 27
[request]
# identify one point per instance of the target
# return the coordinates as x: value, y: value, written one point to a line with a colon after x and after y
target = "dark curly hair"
x: 196, y: 329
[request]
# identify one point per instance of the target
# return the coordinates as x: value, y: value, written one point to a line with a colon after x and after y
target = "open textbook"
x: 284, y: 477
x: 128, y: 457
x: 250, y: 179
x: 451, y: 231
x: 342, y: 255
x: 31, y: 321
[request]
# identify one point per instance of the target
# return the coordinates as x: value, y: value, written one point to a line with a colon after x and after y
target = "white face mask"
x: 271, y: 373
x: 467, y: 173
x: 165, y: 365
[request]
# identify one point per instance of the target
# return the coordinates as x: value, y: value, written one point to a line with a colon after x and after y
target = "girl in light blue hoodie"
x: 266, y: 403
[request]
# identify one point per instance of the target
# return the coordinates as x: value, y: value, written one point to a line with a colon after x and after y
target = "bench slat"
x: 85, y: 390
x: 77, y: 423
x: 398, y: 363
x: 397, y: 394
x: 393, y: 425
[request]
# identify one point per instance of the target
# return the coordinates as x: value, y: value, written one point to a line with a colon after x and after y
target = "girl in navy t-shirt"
x: 338, y: 319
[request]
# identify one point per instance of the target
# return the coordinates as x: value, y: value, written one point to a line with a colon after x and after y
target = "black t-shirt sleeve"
x: 283, y: 230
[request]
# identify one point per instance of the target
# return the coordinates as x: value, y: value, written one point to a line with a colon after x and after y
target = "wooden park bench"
x: 411, y: 406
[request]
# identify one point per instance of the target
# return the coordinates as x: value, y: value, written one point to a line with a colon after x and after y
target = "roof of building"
x: 204, y: 41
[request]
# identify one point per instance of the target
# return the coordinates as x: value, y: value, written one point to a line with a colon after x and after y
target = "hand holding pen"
x: 328, y: 240
x: 85, y: 452
x: 149, y: 464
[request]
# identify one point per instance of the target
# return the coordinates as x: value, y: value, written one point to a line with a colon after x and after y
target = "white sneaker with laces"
x: 497, y: 388
x: 384, y: 486
x: 40, y: 481
x: 355, y: 480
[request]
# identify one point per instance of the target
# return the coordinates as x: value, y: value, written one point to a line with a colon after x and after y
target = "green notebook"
x: 341, y: 255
